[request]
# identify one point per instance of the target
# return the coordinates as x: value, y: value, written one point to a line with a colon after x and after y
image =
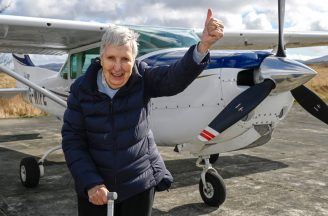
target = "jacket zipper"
x: 114, y: 142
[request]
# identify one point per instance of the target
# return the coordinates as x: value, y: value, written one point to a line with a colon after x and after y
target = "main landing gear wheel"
x: 215, y: 192
x: 29, y: 172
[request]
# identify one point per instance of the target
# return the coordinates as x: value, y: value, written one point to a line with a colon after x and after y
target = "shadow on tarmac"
x: 186, y: 173
x: 58, y: 181
x: 20, y: 137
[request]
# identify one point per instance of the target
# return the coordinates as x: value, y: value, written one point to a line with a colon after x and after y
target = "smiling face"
x: 117, y: 63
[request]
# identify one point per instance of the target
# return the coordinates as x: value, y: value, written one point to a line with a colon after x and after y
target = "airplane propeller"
x: 244, y: 103
x: 304, y: 96
x: 237, y: 109
x: 281, y: 17
x: 311, y: 103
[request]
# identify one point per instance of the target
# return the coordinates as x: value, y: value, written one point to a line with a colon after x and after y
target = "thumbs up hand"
x: 213, y: 31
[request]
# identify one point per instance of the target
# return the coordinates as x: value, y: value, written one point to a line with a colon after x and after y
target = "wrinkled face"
x: 117, y: 63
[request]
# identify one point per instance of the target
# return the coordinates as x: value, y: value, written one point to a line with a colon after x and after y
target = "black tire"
x: 29, y: 172
x: 213, y: 158
x: 218, y: 190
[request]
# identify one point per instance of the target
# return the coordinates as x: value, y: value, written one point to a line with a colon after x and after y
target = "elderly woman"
x: 107, y: 142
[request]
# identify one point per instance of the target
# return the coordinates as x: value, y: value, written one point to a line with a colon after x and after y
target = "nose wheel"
x: 211, y: 185
x: 214, y: 194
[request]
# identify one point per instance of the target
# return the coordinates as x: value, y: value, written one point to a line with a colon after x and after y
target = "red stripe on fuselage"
x: 208, y: 134
x: 205, y: 136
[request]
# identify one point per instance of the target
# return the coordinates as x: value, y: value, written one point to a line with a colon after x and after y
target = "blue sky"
x: 305, y: 15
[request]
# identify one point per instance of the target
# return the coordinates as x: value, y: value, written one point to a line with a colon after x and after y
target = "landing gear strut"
x: 211, y: 185
x: 32, y: 170
x: 213, y: 158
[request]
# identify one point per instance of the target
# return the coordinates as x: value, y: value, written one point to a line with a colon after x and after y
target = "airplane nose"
x: 286, y: 73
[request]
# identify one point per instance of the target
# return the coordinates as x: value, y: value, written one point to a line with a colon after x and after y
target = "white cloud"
x: 101, y: 5
x: 254, y: 20
x: 232, y: 20
x: 307, y: 16
x: 48, y: 8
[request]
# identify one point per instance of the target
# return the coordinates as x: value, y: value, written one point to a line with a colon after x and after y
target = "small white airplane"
x: 236, y: 103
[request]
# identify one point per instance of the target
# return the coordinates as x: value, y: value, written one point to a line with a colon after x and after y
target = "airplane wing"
x: 259, y: 40
x: 52, y: 36
x: 46, y: 36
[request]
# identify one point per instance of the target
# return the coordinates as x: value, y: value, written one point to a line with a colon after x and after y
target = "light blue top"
x: 104, y: 88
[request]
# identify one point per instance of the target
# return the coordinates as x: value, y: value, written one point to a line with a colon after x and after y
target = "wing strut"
x: 36, y: 87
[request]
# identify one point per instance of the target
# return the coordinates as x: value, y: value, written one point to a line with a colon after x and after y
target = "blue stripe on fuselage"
x: 219, y: 59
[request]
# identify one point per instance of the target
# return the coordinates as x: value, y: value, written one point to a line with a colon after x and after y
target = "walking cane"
x: 110, y: 203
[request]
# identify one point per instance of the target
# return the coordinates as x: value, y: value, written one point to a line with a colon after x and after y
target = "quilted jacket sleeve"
x: 75, y: 146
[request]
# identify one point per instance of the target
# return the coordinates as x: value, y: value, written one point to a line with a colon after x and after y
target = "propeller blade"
x: 237, y: 109
x: 281, y: 17
x: 311, y: 103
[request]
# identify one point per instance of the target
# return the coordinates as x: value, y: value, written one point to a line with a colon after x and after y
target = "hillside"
x: 322, y: 59
x: 319, y: 84
x: 17, y: 107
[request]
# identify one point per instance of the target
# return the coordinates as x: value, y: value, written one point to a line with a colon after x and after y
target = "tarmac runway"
x: 288, y: 176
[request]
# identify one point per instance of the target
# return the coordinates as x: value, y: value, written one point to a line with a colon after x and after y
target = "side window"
x: 81, y: 61
x: 88, y: 56
x: 76, y: 62
x: 65, y: 70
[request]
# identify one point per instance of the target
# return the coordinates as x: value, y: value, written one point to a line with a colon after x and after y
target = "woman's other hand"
x: 98, y: 195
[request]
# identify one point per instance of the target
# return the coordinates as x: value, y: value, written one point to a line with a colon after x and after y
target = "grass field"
x: 319, y: 84
x: 17, y: 107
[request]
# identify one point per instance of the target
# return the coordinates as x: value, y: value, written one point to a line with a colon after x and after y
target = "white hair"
x: 118, y: 36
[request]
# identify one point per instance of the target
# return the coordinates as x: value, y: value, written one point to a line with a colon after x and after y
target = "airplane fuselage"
x: 178, y: 119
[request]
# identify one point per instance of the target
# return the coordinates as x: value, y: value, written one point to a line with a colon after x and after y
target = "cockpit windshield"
x: 151, y: 39
x: 155, y: 38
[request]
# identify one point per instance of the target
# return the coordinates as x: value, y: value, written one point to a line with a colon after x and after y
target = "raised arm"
x: 173, y: 79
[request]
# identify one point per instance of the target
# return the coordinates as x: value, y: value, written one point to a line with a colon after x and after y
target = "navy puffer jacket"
x: 108, y: 141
